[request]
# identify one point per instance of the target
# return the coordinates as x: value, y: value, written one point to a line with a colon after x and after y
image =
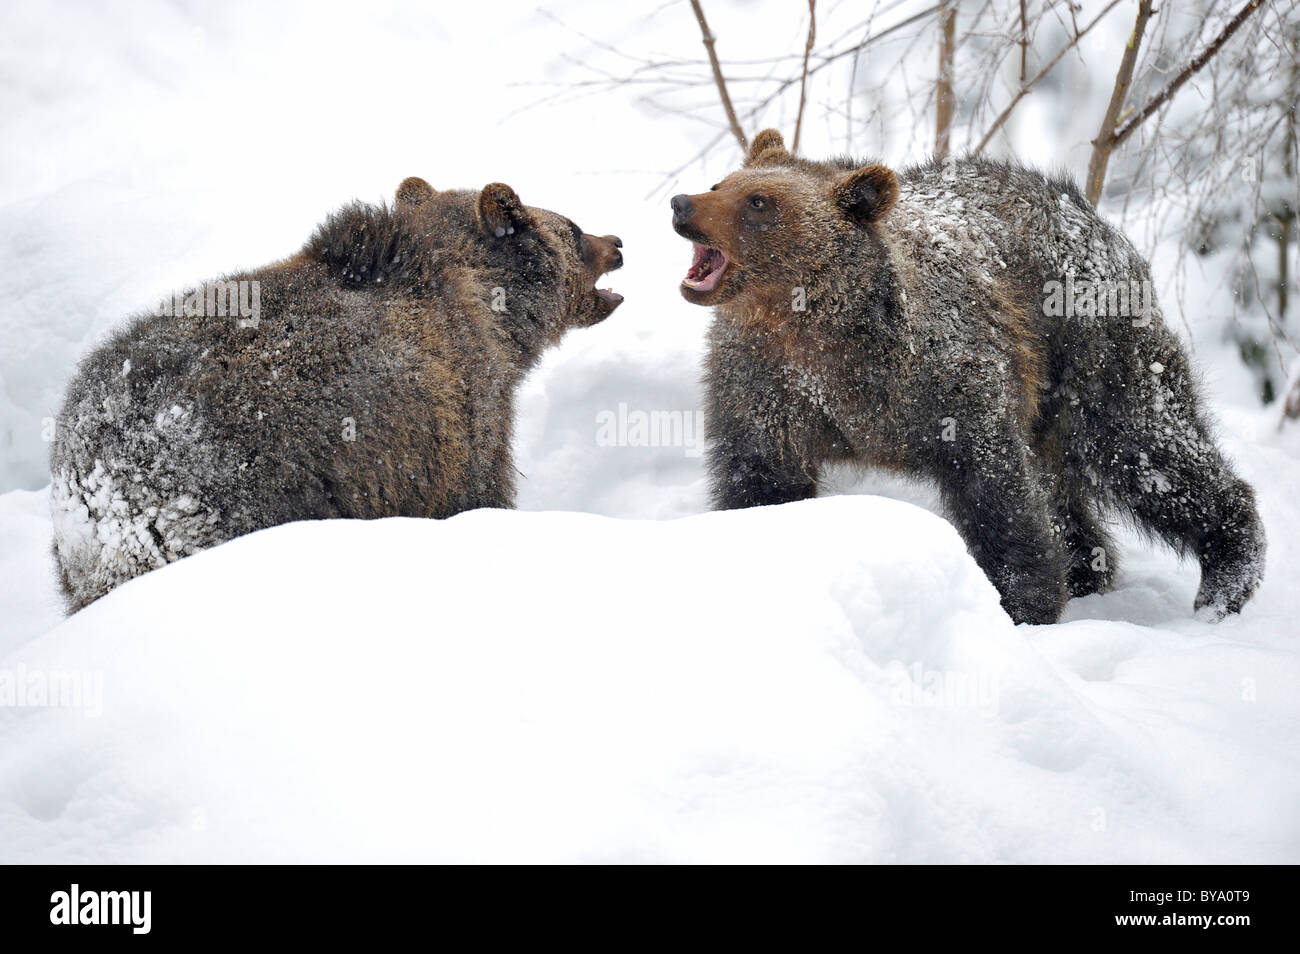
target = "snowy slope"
x: 763, y: 686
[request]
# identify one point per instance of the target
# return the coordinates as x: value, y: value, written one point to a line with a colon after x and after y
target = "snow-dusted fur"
x: 377, y: 379
x: 901, y: 322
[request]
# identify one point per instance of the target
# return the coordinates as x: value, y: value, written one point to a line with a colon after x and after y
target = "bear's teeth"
x: 706, y: 268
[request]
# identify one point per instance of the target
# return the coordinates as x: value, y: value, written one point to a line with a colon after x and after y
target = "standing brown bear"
x: 371, y: 375
x: 914, y: 322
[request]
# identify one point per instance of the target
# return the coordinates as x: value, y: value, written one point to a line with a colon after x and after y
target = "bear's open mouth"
x: 609, y: 297
x: 706, y: 268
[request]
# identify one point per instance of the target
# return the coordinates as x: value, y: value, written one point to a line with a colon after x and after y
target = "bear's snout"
x: 605, y: 249
x: 683, y: 209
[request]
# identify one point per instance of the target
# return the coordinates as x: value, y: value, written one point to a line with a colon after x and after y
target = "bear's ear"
x: 866, y: 195
x: 412, y: 192
x: 500, y: 212
x: 767, y: 146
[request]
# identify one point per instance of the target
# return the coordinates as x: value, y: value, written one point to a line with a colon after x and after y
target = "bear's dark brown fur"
x: 901, y: 321
x: 377, y: 380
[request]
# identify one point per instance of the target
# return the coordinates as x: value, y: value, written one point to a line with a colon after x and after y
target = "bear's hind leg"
x: 1166, y: 469
x: 1231, y: 553
x: 1203, y: 509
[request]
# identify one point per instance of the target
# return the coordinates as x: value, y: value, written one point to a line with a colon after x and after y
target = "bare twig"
x: 803, y: 79
x: 1024, y: 89
x: 1188, y: 71
x: 943, y: 88
x: 1024, y: 42
x: 1105, y: 141
x: 709, y: 38
x: 853, y: 51
x: 781, y: 86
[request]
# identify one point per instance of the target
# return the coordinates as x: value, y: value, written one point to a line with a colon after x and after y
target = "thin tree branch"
x: 1188, y: 71
x: 803, y: 79
x: 709, y: 38
x: 1024, y: 90
x: 1105, y: 141
x: 1024, y: 42
x: 943, y: 88
x: 853, y: 51
x: 762, y: 104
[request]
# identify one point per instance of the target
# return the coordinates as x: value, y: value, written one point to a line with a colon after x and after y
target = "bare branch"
x: 1188, y: 71
x: 803, y: 79
x: 717, y: 76
x: 1105, y: 141
x: 781, y: 86
x: 1024, y: 90
x: 1024, y: 42
x: 943, y: 88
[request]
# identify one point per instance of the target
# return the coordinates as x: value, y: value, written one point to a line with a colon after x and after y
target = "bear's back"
x: 1004, y: 217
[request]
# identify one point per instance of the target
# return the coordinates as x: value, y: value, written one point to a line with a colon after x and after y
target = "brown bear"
x: 913, y: 322
x: 370, y: 375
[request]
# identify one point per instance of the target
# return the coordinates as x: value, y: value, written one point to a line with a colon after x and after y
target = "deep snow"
x: 652, y: 684
x: 826, y: 681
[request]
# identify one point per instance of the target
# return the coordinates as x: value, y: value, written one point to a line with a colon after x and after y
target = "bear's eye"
x: 757, y: 203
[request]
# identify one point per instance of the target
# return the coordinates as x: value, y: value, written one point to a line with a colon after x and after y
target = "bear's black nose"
x: 683, y: 208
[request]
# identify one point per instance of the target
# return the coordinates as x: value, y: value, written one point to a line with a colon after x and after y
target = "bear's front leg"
x: 764, y: 445
x: 1004, y: 517
x: 494, y: 488
x: 758, y: 452
x: 749, y: 469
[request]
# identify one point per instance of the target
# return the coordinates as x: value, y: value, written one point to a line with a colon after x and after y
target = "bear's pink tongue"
x: 706, y: 268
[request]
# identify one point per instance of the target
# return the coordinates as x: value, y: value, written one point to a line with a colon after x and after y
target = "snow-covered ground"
x: 826, y: 681
x: 611, y: 674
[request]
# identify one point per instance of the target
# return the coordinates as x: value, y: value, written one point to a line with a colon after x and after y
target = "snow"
x: 609, y: 673
x: 757, y: 686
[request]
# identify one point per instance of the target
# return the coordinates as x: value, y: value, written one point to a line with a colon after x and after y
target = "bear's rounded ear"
x: 866, y: 195
x: 412, y: 192
x: 767, y: 146
x: 500, y: 212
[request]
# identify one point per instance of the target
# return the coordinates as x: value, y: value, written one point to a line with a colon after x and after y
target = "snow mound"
x: 825, y: 681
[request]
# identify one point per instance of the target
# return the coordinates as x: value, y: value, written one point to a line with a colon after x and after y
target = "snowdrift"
x: 825, y: 681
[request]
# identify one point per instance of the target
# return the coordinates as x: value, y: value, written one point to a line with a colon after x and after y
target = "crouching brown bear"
x: 371, y: 375
x: 915, y: 322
